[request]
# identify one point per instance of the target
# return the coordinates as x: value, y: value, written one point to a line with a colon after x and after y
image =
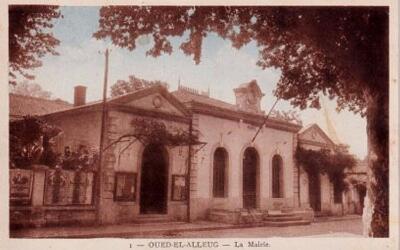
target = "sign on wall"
x: 20, y: 186
x: 125, y: 187
x: 179, y: 187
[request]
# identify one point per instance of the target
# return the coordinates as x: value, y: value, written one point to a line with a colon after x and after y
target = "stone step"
x: 286, y: 223
x: 153, y: 218
x: 287, y: 209
x: 280, y: 214
x: 220, y: 210
x: 282, y: 218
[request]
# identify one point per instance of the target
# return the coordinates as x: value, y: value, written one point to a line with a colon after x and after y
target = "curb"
x: 169, y: 232
x: 160, y: 232
x: 329, y: 219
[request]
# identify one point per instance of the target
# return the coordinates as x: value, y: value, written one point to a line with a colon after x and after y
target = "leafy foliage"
x: 325, y: 162
x: 148, y: 131
x: 153, y: 132
x: 30, y: 142
x: 80, y: 159
x: 342, y: 52
x: 30, y: 37
x: 133, y: 84
x: 30, y: 89
x: 339, y: 63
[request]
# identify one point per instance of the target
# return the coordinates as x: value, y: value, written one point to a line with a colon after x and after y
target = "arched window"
x: 219, y: 172
x: 277, y: 187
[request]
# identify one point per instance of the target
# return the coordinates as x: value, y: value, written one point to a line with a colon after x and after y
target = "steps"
x: 286, y: 223
x: 284, y: 219
x: 153, y: 218
x: 273, y: 218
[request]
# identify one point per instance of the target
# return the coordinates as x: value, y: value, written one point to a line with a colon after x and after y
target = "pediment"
x: 153, y: 99
x: 315, y: 134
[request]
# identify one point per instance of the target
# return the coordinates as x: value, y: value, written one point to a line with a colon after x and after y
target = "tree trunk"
x: 376, y: 210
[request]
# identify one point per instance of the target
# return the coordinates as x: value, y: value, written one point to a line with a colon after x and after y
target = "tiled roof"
x: 21, y: 105
x: 186, y: 96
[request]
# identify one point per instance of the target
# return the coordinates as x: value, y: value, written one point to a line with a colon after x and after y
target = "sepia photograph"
x: 203, y: 122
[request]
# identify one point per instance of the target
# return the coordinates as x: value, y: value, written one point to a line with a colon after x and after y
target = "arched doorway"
x: 250, y: 180
x: 277, y: 180
x: 314, y: 191
x: 154, y: 180
x: 362, y: 191
x: 219, y: 173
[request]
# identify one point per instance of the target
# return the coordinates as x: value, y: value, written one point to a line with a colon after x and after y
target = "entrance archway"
x: 314, y: 191
x: 250, y: 171
x: 154, y: 180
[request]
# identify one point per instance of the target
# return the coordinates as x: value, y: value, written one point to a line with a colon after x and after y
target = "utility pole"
x: 102, y: 132
x: 188, y: 176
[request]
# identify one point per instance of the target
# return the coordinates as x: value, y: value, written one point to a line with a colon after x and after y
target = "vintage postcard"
x: 166, y: 125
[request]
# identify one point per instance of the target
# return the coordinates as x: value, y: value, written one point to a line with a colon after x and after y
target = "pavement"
x: 321, y: 227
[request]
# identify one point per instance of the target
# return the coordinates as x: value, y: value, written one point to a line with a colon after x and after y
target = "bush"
x: 30, y: 142
x: 326, y: 162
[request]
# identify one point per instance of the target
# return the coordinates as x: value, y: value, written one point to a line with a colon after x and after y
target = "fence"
x: 66, y: 187
x: 55, y: 187
x: 42, y: 196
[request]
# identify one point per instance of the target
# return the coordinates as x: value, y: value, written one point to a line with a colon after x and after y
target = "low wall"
x: 41, y: 197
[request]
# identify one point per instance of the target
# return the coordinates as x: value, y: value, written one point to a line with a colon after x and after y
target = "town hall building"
x: 225, y: 176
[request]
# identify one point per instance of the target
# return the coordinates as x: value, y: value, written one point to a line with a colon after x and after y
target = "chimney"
x: 79, y: 95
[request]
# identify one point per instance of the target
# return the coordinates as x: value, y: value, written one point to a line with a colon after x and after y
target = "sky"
x: 81, y: 62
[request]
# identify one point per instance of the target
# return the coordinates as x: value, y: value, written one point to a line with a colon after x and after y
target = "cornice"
x: 314, y: 143
x: 149, y: 113
x: 252, y: 119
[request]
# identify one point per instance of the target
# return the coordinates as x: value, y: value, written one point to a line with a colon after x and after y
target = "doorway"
x: 154, y: 180
x: 314, y: 191
x: 250, y: 171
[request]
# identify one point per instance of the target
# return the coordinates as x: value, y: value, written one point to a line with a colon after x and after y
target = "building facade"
x: 226, y: 171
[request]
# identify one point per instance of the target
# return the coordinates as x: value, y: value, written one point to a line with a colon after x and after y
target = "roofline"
x: 323, y: 133
x: 141, y: 93
x: 97, y: 105
x: 58, y: 101
x: 254, y: 119
x: 194, y: 107
x: 149, y: 113
x: 195, y: 94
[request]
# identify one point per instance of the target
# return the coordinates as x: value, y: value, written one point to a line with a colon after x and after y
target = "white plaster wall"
x: 326, y: 199
x: 235, y: 137
x: 304, y: 189
x: 130, y: 160
x: 77, y: 129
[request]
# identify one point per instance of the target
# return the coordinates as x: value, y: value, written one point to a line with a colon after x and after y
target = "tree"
x: 333, y: 163
x: 339, y: 51
x: 30, y: 89
x: 31, y: 142
x: 30, y: 38
x: 122, y: 87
